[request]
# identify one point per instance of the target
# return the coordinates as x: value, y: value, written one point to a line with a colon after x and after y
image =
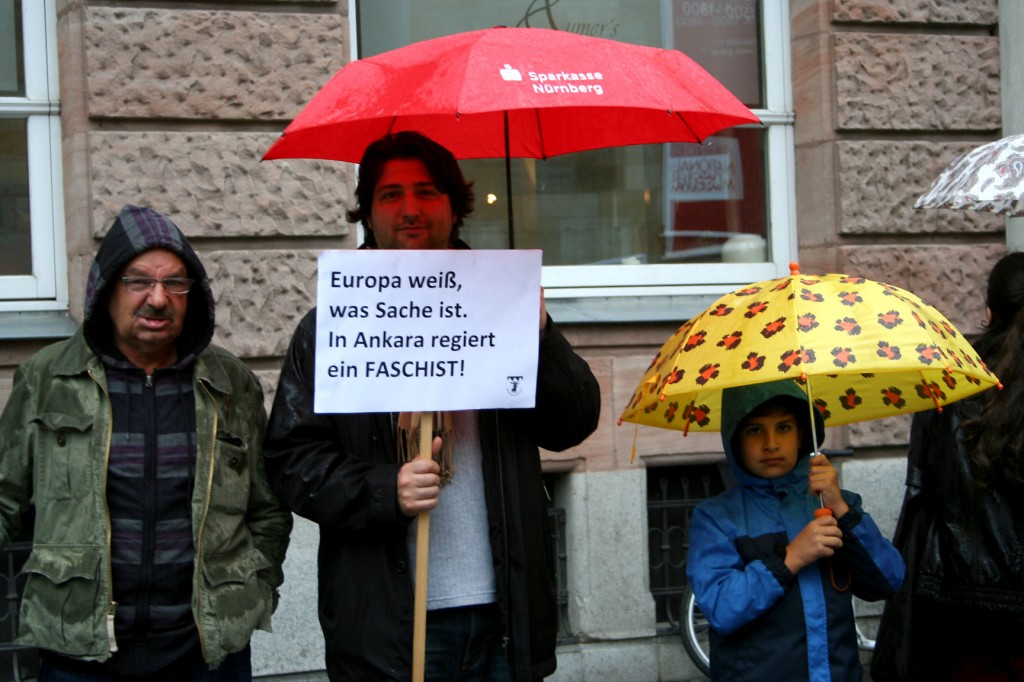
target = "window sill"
x: 598, y: 309
x: 36, y: 325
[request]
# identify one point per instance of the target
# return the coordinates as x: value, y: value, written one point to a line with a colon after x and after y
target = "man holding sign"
x: 492, y: 613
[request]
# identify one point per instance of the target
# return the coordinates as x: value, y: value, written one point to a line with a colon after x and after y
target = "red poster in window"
x: 715, y: 196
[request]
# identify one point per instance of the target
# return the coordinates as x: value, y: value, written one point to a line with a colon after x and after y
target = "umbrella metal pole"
x: 419, y: 631
x: 814, y: 430
x: 508, y: 188
x: 814, y: 426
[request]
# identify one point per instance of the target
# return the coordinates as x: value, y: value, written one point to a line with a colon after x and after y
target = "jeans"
x: 236, y: 667
x: 465, y: 644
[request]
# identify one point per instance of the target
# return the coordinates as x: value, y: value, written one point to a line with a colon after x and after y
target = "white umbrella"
x: 987, y: 178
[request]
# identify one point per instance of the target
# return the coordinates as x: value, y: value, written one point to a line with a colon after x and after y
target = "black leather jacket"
x: 974, y: 553
x: 340, y: 470
x: 964, y: 548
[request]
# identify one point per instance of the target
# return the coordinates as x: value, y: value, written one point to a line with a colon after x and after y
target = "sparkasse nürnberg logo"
x: 557, y: 82
x: 510, y: 74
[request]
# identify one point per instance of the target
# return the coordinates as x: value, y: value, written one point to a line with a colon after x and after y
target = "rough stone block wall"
x: 179, y: 107
x: 261, y: 296
x: 214, y: 185
x: 887, y: 94
x: 915, y: 11
x: 881, y: 180
x: 208, y: 65
x: 911, y: 82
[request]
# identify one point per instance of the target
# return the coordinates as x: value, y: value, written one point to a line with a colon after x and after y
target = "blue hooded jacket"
x: 766, y: 623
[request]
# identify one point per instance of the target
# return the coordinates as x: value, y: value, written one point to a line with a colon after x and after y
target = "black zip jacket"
x: 964, y: 548
x: 340, y: 471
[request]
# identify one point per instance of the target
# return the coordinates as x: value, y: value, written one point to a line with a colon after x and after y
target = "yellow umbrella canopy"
x: 862, y: 349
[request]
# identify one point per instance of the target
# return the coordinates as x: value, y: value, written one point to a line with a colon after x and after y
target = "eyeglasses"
x: 143, y: 285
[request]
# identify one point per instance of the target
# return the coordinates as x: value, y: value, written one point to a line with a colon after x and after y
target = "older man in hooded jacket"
x: 158, y: 543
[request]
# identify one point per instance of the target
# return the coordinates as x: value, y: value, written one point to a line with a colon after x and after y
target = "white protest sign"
x: 404, y: 330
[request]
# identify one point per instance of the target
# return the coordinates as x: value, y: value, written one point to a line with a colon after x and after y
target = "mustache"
x: 148, y: 310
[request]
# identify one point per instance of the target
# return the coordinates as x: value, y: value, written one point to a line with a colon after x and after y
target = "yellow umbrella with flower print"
x: 861, y: 349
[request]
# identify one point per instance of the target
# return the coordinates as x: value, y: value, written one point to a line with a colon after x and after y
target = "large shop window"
x: 641, y: 224
x: 32, y: 260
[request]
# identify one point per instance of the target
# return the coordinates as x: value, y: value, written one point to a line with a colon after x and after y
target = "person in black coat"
x: 491, y: 605
x: 960, y: 616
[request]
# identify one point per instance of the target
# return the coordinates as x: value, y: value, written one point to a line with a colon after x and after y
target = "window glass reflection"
x: 15, y: 222
x: 715, y: 204
x: 723, y: 36
x: 12, y: 66
x: 679, y: 203
x: 643, y: 204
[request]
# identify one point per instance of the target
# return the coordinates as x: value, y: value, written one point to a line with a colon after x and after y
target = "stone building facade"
x: 173, y: 107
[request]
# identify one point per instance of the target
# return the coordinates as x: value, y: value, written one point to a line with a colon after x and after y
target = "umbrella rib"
x: 540, y: 134
x: 688, y: 413
x: 794, y: 271
x: 811, y: 407
x: 924, y: 382
x: 693, y: 132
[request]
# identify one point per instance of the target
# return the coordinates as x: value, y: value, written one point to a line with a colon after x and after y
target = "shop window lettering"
x: 597, y: 29
x: 715, y: 12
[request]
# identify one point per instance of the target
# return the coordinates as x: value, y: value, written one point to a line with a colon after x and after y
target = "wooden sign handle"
x: 419, y: 628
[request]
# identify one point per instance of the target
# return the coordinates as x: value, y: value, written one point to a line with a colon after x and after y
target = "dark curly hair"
x: 440, y: 163
x: 995, y: 437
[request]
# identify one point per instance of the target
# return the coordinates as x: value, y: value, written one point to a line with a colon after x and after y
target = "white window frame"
x: 604, y: 293
x: 46, y: 288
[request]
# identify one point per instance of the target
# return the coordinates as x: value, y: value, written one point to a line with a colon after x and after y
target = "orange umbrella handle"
x: 825, y: 511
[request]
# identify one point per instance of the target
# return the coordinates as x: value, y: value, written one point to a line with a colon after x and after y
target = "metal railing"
x: 672, y: 495
x: 556, y: 518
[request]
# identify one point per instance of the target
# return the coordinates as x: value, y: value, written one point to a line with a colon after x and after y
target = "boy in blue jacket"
x: 774, y: 579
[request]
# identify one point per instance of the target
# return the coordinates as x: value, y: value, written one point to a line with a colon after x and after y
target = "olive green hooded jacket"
x: 54, y: 447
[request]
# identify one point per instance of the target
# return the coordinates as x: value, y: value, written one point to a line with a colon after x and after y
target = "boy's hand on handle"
x: 419, y: 483
x: 819, y: 538
x: 824, y: 483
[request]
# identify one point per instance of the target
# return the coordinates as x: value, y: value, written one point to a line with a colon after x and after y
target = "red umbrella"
x: 513, y: 92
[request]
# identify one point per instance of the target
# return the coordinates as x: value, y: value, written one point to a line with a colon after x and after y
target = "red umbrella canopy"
x: 562, y: 93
